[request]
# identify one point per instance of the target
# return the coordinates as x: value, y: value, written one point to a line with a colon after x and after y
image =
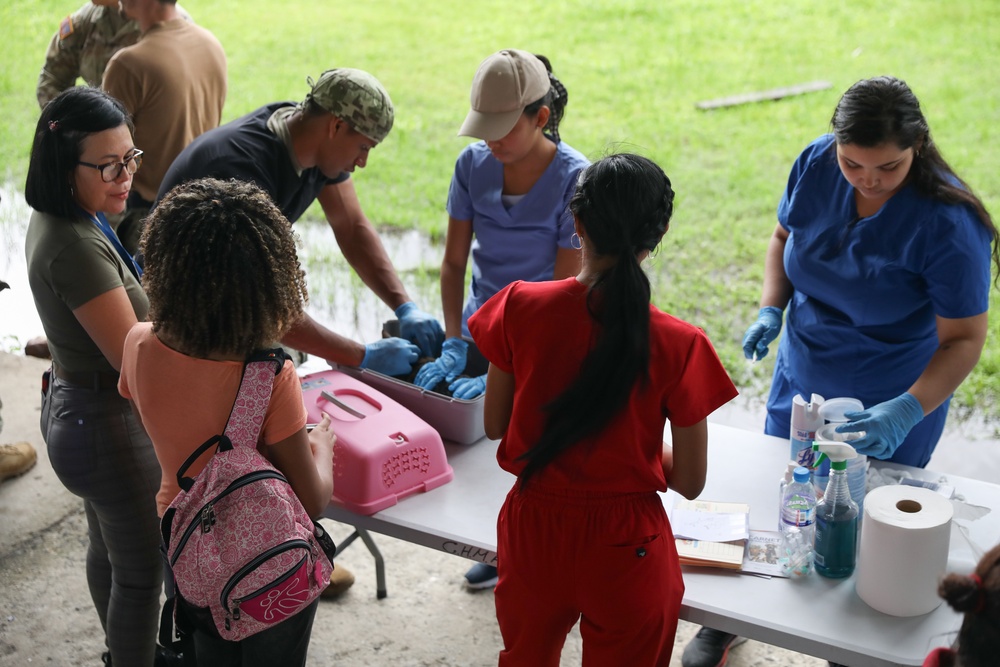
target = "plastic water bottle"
x: 783, y: 482
x: 798, y: 512
x: 836, y: 526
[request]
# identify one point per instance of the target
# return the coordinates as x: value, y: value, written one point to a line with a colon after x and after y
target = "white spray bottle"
x: 805, y: 421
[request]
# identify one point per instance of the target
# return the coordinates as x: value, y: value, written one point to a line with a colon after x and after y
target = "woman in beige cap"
x: 508, y: 205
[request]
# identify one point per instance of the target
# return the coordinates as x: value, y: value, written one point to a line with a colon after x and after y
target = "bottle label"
x: 802, y: 452
x: 800, y: 434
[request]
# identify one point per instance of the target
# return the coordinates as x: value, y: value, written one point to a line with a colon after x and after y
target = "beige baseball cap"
x: 504, y: 85
x: 357, y: 97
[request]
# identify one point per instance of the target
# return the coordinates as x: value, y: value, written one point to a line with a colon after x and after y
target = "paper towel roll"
x: 904, y: 549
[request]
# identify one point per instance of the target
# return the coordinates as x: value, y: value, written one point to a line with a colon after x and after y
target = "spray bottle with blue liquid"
x: 836, y: 516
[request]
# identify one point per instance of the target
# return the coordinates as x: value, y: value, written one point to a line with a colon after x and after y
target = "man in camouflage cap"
x: 83, y: 45
x: 299, y: 153
x: 357, y: 97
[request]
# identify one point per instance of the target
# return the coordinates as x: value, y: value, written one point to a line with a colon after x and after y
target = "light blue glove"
x: 762, y: 332
x: 467, y: 388
x: 391, y: 356
x: 885, y: 425
x: 447, y: 367
x: 421, y: 328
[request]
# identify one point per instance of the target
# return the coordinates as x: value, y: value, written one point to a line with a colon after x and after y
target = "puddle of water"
x: 18, y: 319
x: 337, y: 297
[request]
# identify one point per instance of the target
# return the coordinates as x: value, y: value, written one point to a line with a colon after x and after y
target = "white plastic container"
x: 832, y: 411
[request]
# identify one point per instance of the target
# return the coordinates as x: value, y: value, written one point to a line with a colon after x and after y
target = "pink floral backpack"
x: 244, y: 553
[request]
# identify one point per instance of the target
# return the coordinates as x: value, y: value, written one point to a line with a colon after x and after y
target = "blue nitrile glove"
x: 447, y: 367
x: 468, y: 387
x: 420, y: 327
x: 391, y: 356
x: 762, y: 332
x: 885, y: 425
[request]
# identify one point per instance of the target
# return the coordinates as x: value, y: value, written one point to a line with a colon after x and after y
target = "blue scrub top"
x: 519, y: 243
x: 861, y: 320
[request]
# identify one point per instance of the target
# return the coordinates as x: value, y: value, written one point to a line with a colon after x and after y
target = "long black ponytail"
x: 623, y: 203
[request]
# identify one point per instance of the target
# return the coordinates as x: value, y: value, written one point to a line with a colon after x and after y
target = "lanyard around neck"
x: 105, y: 227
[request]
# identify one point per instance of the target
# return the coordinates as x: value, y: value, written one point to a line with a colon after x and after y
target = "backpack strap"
x: 247, y: 416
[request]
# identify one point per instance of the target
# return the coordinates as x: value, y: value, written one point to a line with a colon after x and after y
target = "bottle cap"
x: 802, y: 474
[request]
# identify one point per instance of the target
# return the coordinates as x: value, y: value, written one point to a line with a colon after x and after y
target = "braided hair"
x: 555, y: 100
x: 623, y: 203
x: 978, y: 597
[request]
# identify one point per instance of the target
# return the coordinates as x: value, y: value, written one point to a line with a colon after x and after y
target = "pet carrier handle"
x: 340, y: 404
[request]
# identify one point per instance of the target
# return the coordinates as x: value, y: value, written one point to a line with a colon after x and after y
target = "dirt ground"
x: 428, y: 618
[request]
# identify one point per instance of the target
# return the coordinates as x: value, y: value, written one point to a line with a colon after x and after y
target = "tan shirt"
x: 82, y: 46
x: 173, y: 82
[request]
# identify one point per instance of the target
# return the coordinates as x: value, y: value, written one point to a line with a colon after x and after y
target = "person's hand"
x: 467, y: 388
x: 446, y: 367
x: 391, y: 356
x: 762, y: 332
x: 322, y: 436
x: 421, y: 328
x: 885, y: 425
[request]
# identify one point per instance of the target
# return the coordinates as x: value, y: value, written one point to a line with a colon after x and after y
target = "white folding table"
x: 813, y: 615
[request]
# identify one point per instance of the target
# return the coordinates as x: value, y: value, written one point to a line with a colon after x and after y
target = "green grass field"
x: 634, y: 71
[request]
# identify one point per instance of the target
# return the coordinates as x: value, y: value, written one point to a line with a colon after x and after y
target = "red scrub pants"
x: 607, y: 559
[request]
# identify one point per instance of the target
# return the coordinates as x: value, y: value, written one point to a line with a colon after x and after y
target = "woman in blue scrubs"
x: 881, y: 263
x: 882, y: 258
x: 508, y: 203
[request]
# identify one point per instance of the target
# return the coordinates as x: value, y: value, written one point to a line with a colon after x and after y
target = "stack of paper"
x: 709, y: 533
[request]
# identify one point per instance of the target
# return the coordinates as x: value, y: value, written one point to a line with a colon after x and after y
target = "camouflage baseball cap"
x: 356, y: 97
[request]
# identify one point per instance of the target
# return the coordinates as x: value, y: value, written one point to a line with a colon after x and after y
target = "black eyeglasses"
x: 112, y: 170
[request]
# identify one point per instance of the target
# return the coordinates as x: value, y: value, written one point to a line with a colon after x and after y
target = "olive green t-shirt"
x: 70, y: 262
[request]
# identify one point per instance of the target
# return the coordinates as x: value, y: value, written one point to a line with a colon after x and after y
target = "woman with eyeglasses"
x: 87, y: 291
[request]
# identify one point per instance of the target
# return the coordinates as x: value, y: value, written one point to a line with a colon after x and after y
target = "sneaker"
x: 340, y: 580
x: 16, y: 459
x: 709, y: 648
x: 481, y: 576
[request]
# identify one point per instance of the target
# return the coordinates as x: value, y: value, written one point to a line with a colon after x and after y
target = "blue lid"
x: 801, y: 474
